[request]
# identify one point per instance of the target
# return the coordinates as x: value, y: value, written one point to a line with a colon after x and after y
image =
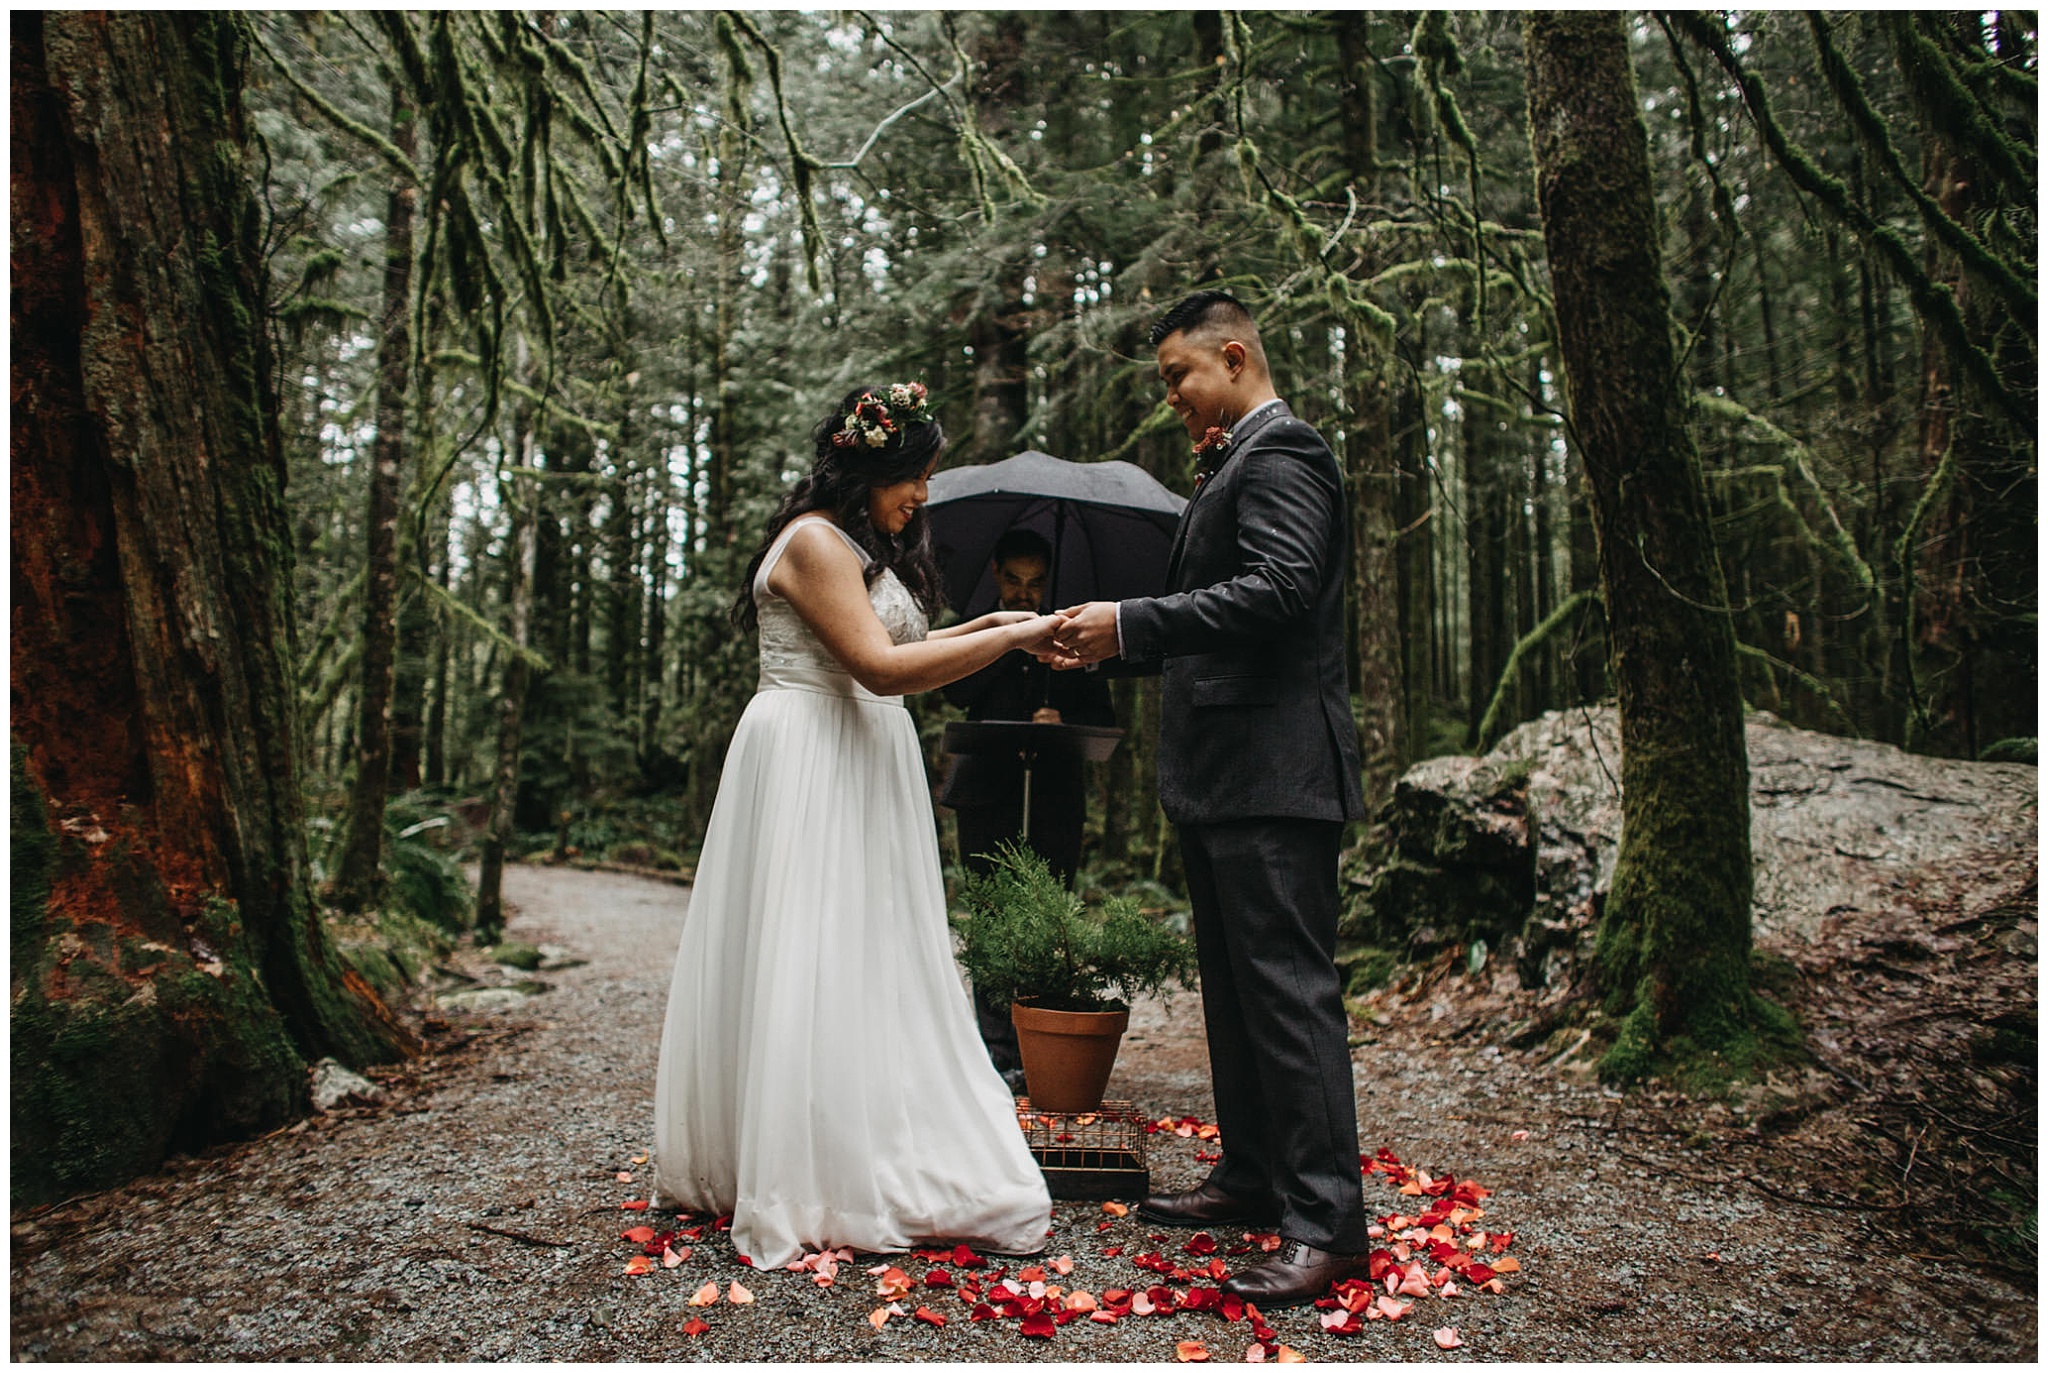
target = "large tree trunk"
x: 356, y: 880
x: 170, y: 975
x: 1675, y: 932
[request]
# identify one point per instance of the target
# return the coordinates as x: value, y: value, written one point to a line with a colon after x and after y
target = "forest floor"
x: 476, y: 1213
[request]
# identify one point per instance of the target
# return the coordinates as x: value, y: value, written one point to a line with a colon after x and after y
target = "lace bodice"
x: 793, y: 658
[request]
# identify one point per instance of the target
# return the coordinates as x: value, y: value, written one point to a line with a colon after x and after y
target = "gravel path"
x: 372, y: 1234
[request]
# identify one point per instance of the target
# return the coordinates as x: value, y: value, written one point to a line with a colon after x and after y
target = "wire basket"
x: 1088, y: 1155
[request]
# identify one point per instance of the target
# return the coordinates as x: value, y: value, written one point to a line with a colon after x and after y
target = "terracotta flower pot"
x: 1067, y: 1054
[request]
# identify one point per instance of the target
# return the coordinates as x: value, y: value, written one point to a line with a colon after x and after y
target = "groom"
x: 1258, y: 766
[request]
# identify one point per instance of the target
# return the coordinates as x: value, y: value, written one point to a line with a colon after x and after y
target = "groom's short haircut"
x: 1207, y: 312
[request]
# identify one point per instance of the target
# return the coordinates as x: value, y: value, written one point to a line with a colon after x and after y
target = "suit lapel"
x: 1239, y: 440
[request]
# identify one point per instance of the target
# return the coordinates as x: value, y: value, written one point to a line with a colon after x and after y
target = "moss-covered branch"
x: 1935, y: 300
x: 1490, y: 727
x: 2021, y: 300
x: 1952, y: 107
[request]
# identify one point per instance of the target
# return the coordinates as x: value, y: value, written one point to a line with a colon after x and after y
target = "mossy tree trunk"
x: 170, y: 974
x: 521, y: 550
x: 1372, y: 464
x: 1674, y: 936
x: 356, y: 879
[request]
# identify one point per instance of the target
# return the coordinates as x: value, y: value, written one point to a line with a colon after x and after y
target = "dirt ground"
x: 475, y: 1214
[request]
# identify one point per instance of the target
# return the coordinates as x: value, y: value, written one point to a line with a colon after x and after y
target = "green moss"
x: 393, y: 952
x: 2016, y: 750
x: 120, y: 1054
x: 1367, y: 969
x: 524, y: 957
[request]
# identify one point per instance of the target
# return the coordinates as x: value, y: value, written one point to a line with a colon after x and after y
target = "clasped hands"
x: 1076, y: 636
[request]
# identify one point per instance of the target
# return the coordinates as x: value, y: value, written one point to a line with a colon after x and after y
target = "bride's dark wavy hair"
x: 838, y: 485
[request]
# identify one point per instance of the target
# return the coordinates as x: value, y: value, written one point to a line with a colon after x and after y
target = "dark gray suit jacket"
x: 1256, y: 714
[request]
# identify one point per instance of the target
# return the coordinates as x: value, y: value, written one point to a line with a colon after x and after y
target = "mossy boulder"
x: 524, y: 957
x: 1449, y: 860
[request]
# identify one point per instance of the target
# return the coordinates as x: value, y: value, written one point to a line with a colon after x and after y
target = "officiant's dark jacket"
x: 1250, y: 643
x: 1011, y: 688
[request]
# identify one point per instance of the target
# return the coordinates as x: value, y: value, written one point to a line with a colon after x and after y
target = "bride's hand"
x: 1035, y: 632
x: 1006, y: 617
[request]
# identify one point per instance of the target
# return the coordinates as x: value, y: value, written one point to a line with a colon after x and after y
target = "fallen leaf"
x: 639, y: 1264
x: 632, y: 1206
x: 639, y: 1234
x: 693, y: 1326
x: 740, y: 1296
x: 929, y: 1317
x: 707, y: 1295
x: 1115, y: 1208
x: 1191, y: 1351
x: 1447, y: 1338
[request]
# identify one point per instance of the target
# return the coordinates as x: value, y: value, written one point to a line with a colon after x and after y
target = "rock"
x: 554, y: 957
x: 524, y: 957
x: 1517, y: 849
x: 334, y: 1086
x: 490, y: 998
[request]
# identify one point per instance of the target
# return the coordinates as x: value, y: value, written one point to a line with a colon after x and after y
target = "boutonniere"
x: 1209, y: 451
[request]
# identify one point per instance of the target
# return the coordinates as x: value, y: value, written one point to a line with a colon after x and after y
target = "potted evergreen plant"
x: 1069, y: 972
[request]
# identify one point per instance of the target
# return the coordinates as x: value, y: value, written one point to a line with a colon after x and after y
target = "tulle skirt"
x: 821, y: 1076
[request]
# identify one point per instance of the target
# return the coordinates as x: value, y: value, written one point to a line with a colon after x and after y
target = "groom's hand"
x: 1087, y: 634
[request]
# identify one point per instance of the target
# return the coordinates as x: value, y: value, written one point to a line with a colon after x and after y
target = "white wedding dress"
x: 821, y: 1076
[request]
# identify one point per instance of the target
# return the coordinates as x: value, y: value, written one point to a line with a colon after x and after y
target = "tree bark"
x: 520, y: 552
x: 357, y: 882
x: 1675, y: 931
x: 169, y: 972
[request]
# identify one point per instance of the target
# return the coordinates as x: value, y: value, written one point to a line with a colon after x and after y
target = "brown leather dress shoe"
x: 1295, y: 1276
x: 1208, y: 1205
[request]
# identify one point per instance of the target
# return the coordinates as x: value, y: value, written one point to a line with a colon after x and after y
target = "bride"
x: 821, y: 1076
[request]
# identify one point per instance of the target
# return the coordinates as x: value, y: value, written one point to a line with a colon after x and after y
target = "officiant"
x: 986, y: 790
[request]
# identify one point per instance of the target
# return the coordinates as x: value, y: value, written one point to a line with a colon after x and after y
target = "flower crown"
x: 873, y: 421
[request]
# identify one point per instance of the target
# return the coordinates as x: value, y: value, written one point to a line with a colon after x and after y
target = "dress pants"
x: 1265, y: 913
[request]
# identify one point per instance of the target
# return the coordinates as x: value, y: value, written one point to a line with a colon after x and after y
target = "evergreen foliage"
x: 1025, y: 937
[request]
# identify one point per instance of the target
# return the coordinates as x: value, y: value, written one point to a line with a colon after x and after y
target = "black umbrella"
x: 1110, y: 526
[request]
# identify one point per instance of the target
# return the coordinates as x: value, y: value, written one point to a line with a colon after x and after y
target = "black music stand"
x: 1031, y: 741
